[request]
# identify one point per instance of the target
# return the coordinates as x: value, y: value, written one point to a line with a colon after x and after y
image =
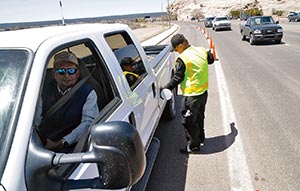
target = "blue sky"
x: 41, y: 10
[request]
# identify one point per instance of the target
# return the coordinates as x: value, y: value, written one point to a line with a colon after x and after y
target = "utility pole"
x: 242, y: 10
x: 169, y: 17
x: 62, y: 14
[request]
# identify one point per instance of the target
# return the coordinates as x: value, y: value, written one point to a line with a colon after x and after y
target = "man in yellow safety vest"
x: 127, y: 67
x: 191, y: 72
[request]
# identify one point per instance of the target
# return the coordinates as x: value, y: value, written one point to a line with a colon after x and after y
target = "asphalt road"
x: 252, y: 119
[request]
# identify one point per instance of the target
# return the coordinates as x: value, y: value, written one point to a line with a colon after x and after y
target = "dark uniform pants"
x: 193, y: 109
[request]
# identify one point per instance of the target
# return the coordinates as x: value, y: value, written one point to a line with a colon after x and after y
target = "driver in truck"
x: 64, y: 127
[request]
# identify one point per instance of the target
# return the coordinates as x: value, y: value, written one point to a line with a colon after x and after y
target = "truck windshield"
x: 12, y: 72
x: 262, y: 21
x: 221, y: 19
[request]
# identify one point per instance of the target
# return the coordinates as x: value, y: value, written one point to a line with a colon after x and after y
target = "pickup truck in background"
x: 221, y: 23
x: 294, y: 17
x: 119, y: 147
x: 261, y: 28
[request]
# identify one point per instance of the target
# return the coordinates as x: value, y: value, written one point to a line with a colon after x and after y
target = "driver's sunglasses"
x: 63, y: 71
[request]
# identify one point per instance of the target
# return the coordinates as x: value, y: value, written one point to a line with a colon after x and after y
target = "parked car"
x: 221, y: 23
x: 291, y: 13
x: 208, y: 21
x: 294, y: 17
x: 261, y: 28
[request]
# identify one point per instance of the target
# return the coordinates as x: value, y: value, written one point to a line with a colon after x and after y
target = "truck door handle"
x: 153, y: 89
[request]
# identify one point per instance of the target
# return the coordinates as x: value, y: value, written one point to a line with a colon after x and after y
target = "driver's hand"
x: 54, y: 145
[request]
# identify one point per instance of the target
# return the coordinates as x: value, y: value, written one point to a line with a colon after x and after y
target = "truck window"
x: 92, y: 71
x: 128, y: 57
x: 255, y: 21
x: 267, y: 20
x: 14, y: 65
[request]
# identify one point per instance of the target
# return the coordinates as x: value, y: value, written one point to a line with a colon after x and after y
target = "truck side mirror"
x: 116, y: 148
x: 121, y: 150
x: 277, y: 22
x: 166, y: 94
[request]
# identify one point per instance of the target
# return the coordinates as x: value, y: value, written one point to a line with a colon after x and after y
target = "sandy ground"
x: 149, y: 31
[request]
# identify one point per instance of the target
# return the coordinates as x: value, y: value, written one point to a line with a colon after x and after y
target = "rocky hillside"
x: 186, y: 9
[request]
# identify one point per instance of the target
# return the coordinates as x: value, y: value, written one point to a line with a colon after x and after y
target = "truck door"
x: 248, y: 27
x: 93, y: 67
x: 141, y: 84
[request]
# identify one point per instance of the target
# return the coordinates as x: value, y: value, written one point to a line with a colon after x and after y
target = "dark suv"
x: 261, y: 28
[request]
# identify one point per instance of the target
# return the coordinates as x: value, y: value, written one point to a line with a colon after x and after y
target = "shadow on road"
x: 267, y: 43
x: 170, y: 168
x: 220, y: 143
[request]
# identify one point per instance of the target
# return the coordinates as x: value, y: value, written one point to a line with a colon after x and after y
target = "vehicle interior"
x: 90, y: 64
x: 123, y: 47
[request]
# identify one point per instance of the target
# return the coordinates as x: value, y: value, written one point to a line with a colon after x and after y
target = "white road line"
x: 238, y: 169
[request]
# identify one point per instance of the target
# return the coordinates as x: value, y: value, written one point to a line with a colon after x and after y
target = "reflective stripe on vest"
x: 126, y: 72
x: 195, y: 80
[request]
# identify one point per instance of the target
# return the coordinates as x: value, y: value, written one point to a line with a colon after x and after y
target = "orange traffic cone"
x: 210, y: 42
x: 214, y: 51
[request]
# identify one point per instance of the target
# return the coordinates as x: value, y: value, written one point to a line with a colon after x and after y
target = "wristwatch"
x: 64, y: 143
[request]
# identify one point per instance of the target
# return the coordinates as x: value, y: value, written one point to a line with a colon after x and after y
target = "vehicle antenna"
x: 62, y: 14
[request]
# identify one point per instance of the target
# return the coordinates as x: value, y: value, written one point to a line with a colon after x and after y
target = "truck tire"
x: 278, y: 41
x: 170, y: 110
x: 251, y: 40
x: 243, y: 36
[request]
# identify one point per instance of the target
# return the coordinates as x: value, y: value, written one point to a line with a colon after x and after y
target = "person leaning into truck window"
x: 127, y: 67
x: 67, y: 124
x: 191, y: 72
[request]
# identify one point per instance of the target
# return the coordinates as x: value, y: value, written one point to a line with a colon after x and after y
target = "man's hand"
x: 54, y: 145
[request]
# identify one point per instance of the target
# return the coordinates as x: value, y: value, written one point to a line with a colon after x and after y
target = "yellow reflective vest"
x: 126, y: 72
x: 195, y: 80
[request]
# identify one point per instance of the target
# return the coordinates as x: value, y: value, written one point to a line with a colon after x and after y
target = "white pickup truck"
x: 119, y: 148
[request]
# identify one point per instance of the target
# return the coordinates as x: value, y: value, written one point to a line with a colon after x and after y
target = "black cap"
x: 126, y: 61
x: 176, y: 40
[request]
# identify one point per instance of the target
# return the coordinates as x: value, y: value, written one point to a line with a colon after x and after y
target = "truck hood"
x: 222, y: 22
x: 269, y: 26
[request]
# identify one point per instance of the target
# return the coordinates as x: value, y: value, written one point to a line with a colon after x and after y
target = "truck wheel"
x: 278, y: 41
x: 170, y: 110
x: 252, y: 42
x: 243, y: 37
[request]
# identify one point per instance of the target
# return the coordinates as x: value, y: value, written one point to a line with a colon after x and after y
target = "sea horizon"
x: 128, y: 17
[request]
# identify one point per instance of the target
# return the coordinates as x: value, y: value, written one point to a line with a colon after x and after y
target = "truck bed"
x: 156, y: 55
